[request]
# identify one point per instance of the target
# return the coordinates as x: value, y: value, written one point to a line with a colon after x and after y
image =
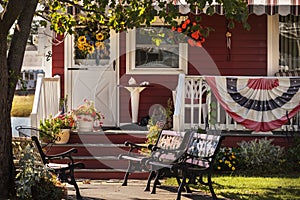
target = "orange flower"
x: 196, y: 35
x: 191, y: 42
x: 199, y: 44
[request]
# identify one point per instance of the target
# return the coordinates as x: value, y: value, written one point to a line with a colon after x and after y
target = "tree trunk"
x: 6, y: 164
x: 10, y: 67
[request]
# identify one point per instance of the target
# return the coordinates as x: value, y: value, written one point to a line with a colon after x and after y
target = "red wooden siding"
x: 159, y: 92
x: 248, y: 56
x: 58, y: 61
x: 248, y: 53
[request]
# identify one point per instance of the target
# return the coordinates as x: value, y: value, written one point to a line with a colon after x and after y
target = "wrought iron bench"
x: 63, y: 169
x: 168, y: 141
x: 191, y: 166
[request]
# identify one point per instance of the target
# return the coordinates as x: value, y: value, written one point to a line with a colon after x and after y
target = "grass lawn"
x: 253, y: 188
x: 22, y: 105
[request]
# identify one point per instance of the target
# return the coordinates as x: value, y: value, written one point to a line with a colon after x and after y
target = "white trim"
x: 130, y: 59
x: 272, y: 44
x: 68, y: 62
x: 115, y: 56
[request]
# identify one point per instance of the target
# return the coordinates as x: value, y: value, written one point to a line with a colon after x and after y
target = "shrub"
x: 293, y: 155
x: 226, y: 160
x: 34, y: 181
x: 261, y: 157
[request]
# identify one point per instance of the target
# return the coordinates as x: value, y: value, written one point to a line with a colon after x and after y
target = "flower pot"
x: 63, y: 136
x: 85, y: 123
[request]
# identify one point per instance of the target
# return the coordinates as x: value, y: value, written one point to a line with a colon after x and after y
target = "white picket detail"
x: 194, y: 108
x: 46, y: 99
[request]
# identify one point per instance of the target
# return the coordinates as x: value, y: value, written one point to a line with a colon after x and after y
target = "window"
x: 155, y: 50
x: 91, y: 47
x: 289, y: 42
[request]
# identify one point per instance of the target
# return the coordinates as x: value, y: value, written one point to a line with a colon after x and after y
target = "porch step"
x: 99, y: 152
x: 105, y: 174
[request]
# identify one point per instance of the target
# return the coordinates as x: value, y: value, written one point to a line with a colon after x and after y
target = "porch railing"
x: 196, y: 107
x: 46, y: 99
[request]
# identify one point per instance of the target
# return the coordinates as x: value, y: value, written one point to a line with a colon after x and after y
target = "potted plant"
x: 57, y: 129
x: 86, y: 115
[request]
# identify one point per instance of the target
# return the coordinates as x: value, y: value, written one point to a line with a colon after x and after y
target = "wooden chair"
x: 64, y: 171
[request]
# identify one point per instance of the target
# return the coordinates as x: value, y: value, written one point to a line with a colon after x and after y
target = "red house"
x: 261, y: 51
x: 269, y: 47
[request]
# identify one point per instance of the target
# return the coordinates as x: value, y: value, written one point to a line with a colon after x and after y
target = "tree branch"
x: 19, y: 41
x: 10, y: 14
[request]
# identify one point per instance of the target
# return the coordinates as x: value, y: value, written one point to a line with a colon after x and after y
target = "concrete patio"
x: 112, y: 190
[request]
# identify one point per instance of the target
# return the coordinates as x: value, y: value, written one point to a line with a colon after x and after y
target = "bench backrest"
x: 33, y: 133
x: 203, y: 149
x: 171, y: 145
x: 40, y: 149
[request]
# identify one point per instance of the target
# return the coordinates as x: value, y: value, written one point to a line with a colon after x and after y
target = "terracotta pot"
x: 63, y: 136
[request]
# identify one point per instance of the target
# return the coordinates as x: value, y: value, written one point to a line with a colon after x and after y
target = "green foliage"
x: 261, y: 157
x: 293, y: 155
x: 169, y: 114
x: 251, y: 188
x: 50, y: 128
x: 226, y: 159
x: 34, y: 181
x: 132, y: 14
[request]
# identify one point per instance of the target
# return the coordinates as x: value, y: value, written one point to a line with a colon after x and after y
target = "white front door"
x: 97, y: 83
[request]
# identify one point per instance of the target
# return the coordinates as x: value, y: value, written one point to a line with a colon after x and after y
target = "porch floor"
x: 112, y: 190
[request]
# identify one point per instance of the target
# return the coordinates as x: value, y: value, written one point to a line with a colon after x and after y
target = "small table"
x: 135, y: 91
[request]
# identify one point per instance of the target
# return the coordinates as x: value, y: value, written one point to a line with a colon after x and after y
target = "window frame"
x: 131, y: 55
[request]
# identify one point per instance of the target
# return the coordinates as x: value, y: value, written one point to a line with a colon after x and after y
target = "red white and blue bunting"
x: 259, y: 104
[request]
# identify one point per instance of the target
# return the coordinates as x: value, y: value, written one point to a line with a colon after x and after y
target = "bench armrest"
x: 134, y: 146
x: 61, y: 155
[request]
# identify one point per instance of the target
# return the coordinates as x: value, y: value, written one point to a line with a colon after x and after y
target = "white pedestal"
x: 135, y: 98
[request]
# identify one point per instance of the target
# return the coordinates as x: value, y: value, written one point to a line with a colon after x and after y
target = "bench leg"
x: 209, y: 184
x: 156, y: 181
x: 181, y: 187
x: 125, y: 178
x: 73, y: 182
x: 129, y: 169
x: 214, y: 196
x: 69, y: 178
x: 151, y: 175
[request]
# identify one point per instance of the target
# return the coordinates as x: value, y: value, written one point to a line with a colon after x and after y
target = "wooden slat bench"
x: 171, y: 141
x: 64, y: 171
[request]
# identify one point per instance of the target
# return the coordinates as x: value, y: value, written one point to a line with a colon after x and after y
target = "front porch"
x: 195, y: 106
x: 99, y: 150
